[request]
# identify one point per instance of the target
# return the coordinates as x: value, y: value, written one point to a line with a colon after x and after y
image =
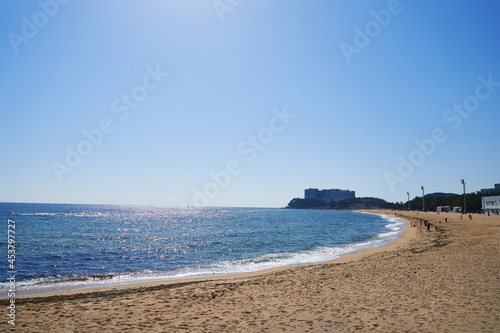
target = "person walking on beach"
x: 428, y: 226
x: 470, y: 217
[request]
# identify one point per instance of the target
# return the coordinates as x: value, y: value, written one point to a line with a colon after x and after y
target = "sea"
x: 61, y: 247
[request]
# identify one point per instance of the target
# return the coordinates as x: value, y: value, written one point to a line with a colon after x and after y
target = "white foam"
x: 320, y: 254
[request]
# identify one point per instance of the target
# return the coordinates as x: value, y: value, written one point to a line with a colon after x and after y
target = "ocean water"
x: 63, y: 247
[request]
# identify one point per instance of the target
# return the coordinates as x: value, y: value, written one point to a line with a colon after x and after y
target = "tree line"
x: 348, y: 203
x: 432, y: 201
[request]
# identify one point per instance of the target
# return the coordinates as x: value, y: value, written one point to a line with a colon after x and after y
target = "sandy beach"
x: 444, y: 280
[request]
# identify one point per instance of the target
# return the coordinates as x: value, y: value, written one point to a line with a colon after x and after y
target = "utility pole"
x: 408, y: 200
x: 465, y: 202
x: 423, y: 199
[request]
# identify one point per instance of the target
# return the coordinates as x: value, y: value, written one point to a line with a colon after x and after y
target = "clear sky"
x: 246, y: 102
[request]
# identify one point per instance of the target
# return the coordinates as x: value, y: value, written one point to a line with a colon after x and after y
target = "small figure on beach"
x: 461, y: 216
x: 428, y: 226
x: 445, y: 219
x: 436, y: 228
x: 470, y: 217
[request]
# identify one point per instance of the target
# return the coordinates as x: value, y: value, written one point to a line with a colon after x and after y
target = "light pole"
x: 408, y: 200
x: 423, y: 199
x: 465, y: 203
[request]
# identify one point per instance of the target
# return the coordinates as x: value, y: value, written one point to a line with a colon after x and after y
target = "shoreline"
x: 403, y: 235
x: 426, y: 281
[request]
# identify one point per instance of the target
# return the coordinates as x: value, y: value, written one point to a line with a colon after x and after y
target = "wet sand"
x: 444, y: 280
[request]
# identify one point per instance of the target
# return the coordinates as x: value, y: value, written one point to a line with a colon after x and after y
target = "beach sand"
x: 427, y: 281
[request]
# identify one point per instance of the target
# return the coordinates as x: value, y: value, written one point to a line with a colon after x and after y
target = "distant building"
x: 496, y: 189
x: 311, y: 193
x: 444, y: 209
x: 491, y: 204
x: 329, y: 194
x: 448, y: 209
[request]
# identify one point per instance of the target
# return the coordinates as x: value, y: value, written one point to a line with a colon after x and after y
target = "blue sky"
x: 246, y: 103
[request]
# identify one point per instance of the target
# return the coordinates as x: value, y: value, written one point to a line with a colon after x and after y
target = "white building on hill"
x: 491, y: 204
x: 328, y: 195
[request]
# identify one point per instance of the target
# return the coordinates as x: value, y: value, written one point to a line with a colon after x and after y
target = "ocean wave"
x: 359, y: 233
x: 71, y: 214
x: 272, y: 260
